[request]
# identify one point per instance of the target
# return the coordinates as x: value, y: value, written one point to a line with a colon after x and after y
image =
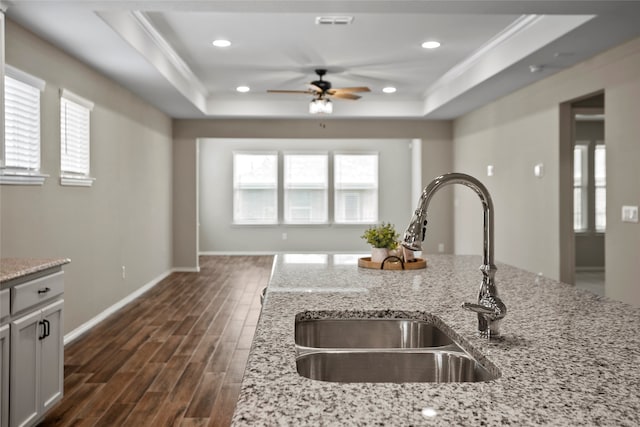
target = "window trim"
x: 334, y: 188
x: 331, y: 222
x: 235, y: 222
x: 19, y: 176
x: 70, y: 178
x: 283, y: 190
x: 588, y: 207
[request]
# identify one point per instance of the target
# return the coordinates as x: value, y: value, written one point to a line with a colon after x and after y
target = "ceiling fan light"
x: 320, y: 106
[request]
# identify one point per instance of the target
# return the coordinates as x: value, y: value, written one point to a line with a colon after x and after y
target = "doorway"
x: 585, y: 143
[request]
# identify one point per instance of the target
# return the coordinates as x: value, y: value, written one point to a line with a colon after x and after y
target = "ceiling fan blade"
x: 314, y: 88
x: 342, y: 95
x: 352, y: 89
x: 306, y: 92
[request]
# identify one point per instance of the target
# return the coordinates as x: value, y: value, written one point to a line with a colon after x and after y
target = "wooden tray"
x: 392, y: 264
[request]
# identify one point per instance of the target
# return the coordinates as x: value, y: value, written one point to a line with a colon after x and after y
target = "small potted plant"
x: 382, y: 239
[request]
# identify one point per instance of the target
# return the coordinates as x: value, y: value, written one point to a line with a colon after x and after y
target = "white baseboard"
x: 186, y: 270
x: 231, y: 253
x: 86, y: 326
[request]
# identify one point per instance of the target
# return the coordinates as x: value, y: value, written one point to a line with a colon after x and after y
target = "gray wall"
x: 522, y: 129
x: 124, y: 219
x: 218, y: 234
x: 436, y: 160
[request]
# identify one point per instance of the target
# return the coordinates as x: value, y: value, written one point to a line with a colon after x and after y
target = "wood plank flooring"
x: 173, y: 357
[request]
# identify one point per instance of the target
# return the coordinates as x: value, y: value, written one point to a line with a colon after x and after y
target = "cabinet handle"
x: 43, y: 291
x: 44, y: 330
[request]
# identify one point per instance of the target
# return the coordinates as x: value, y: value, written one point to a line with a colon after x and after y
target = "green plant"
x: 382, y: 236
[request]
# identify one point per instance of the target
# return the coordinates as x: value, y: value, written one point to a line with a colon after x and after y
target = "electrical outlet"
x: 124, y: 272
x: 284, y: 236
x: 629, y: 214
x: 440, y: 247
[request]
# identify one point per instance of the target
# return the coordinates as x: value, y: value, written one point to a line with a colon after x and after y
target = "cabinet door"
x: 25, y: 369
x: 4, y: 376
x: 52, y: 356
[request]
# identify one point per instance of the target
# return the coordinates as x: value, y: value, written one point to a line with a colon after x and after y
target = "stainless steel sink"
x: 369, y: 333
x: 382, y: 350
x: 391, y: 366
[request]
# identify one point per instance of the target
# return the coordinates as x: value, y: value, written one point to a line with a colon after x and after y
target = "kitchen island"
x: 567, y: 357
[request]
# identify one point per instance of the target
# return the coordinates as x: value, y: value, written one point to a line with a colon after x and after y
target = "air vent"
x: 334, y: 20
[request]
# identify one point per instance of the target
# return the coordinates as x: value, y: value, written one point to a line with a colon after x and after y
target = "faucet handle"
x: 478, y: 308
x: 490, y: 311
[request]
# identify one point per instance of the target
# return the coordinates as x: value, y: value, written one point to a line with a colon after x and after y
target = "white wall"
x: 523, y: 129
x: 217, y: 233
x: 124, y: 219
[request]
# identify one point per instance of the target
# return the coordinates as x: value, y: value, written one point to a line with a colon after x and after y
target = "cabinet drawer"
x: 4, y: 303
x: 36, y: 291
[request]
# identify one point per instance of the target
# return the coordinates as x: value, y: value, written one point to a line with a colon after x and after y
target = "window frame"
x: 589, y: 187
x: 74, y: 178
x: 237, y: 222
x: 15, y: 175
x: 280, y: 189
x: 283, y: 188
x: 335, y: 188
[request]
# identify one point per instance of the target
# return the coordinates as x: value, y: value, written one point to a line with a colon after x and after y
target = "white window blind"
x: 255, y: 188
x: 74, y: 135
x: 21, y: 150
x: 306, y: 184
x: 356, y: 188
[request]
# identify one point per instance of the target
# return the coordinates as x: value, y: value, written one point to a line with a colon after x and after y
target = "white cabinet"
x: 4, y: 375
x: 36, y: 363
x: 36, y: 349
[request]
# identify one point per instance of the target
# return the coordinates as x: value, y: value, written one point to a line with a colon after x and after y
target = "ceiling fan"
x: 322, y: 91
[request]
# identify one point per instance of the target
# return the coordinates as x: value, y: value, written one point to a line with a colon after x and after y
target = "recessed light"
x: 243, y: 89
x: 431, y: 44
x: 221, y: 43
x: 389, y: 89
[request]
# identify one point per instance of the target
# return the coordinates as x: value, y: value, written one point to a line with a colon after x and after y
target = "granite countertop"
x: 15, y: 268
x: 568, y: 357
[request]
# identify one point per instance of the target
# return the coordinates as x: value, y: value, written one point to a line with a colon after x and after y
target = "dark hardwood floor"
x: 173, y: 357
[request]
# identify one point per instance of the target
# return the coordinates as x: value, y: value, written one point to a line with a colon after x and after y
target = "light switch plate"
x: 629, y: 214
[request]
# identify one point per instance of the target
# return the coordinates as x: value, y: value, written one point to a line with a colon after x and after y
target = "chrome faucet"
x: 490, y: 308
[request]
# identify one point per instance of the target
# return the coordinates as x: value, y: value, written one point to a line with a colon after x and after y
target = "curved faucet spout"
x: 490, y: 308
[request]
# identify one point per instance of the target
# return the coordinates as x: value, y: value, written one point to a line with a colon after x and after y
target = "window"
x: 580, y: 174
x: 600, y: 183
x: 21, y: 148
x: 305, y: 195
x: 356, y: 188
x: 255, y: 188
x: 589, y: 187
x: 75, y: 157
x: 306, y: 187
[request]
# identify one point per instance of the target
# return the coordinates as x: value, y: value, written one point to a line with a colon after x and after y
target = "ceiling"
x: 162, y: 50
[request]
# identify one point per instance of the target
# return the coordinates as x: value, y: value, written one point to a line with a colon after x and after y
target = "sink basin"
x: 378, y: 349
x: 391, y: 366
x: 369, y: 333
